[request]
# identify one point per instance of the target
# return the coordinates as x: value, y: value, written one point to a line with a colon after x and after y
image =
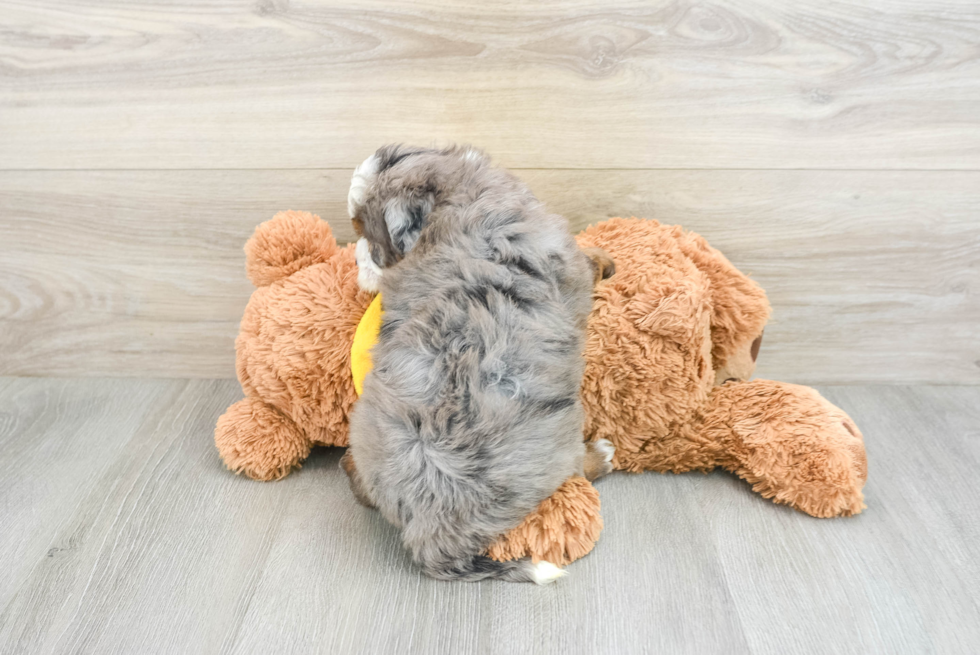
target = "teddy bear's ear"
x: 290, y: 241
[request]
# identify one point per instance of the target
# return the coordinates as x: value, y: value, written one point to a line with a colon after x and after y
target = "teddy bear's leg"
x: 563, y: 528
x: 791, y: 444
x: 256, y: 439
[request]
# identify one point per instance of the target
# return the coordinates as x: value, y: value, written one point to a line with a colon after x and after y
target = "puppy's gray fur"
x: 471, y: 414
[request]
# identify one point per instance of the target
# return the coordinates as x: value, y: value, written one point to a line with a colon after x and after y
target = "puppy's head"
x: 391, y: 196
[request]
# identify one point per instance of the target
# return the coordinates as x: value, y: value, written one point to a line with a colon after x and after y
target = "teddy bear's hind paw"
x: 255, y: 439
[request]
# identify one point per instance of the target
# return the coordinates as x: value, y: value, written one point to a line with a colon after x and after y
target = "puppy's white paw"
x: 546, y: 573
x: 605, y: 448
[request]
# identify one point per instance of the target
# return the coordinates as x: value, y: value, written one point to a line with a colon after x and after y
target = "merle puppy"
x: 471, y: 414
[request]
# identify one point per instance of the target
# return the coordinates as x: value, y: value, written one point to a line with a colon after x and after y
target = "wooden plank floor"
x: 122, y: 533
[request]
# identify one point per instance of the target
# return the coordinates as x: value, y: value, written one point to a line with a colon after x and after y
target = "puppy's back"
x: 471, y: 415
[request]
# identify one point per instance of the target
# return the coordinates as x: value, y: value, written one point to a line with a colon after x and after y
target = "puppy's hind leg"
x: 598, y: 459
x: 437, y: 563
x: 354, y: 478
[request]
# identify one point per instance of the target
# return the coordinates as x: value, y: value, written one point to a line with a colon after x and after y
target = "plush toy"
x: 672, y: 343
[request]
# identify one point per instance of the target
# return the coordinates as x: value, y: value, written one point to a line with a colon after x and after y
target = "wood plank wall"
x: 832, y: 150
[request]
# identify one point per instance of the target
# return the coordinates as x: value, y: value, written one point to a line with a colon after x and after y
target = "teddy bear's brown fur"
x: 672, y: 343
x: 671, y: 347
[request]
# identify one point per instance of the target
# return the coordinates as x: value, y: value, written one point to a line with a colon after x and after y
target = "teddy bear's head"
x: 675, y: 320
x: 293, y: 350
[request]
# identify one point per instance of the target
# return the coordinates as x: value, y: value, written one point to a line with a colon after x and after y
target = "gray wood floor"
x: 122, y: 533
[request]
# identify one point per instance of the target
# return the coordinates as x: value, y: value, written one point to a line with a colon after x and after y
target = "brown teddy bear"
x: 672, y: 343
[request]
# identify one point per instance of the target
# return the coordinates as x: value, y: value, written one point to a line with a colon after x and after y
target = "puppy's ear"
x: 391, y: 154
x: 392, y: 218
x: 405, y: 218
x: 405, y: 214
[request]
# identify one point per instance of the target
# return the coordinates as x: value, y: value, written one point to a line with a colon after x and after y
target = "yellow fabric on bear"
x: 365, y: 336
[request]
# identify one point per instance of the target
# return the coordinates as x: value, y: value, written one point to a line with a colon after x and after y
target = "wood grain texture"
x: 625, y: 84
x: 874, y: 276
x: 54, y: 436
x: 146, y: 544
x: 146, y: 539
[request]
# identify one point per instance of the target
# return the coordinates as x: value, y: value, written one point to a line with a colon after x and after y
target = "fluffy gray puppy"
x: 471, y: 415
